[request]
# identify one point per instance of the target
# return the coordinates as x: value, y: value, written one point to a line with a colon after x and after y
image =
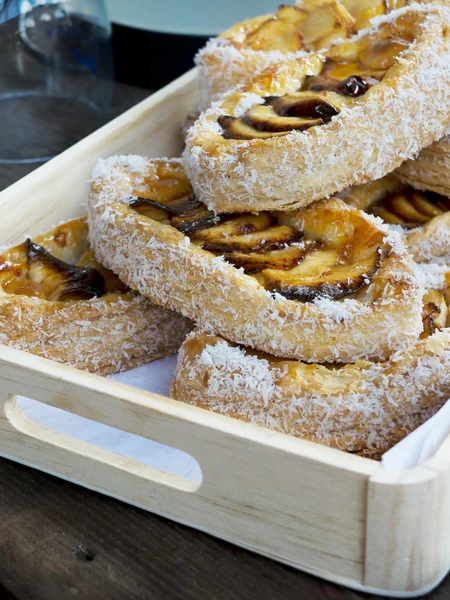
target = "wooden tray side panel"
x: 260, y: 489
x: 408, y: 528
x: 58, y: 190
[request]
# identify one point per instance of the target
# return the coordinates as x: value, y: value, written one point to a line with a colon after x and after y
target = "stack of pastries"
x: 304, y: 233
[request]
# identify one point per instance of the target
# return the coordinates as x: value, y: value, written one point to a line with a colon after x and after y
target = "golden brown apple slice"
x: 25, y: 287
x: 259, y: 241
x: 286, y: 258
x: 307, y: 103
x: 382, y: 55
x: 265, y: 118
x: 275, y: 34
x: 401, y: 206
x: 365, y: 10
x: 236, y: 129
x: 325, y: 25
x: 163, y: 189
x: 292, y: 14
x: 424, y: 204
x: 320, y: 275
x: 60, y: 280
x: 408, y: 210
x: 387, y: 216
x: 237, y: 225
x: 434, y: 312
x: 201, y: 218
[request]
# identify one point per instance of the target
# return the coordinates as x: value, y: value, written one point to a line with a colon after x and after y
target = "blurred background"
x: 70, y: 66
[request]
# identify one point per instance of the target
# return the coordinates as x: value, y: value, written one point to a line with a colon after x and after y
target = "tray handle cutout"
x: 56, y: 441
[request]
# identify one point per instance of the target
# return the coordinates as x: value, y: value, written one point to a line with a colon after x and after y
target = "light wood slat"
x: 262, y: 489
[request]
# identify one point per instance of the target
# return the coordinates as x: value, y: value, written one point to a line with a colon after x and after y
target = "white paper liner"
x: 156, y: 377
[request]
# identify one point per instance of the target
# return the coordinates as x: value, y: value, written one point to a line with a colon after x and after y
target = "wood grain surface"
x: 59, y: 541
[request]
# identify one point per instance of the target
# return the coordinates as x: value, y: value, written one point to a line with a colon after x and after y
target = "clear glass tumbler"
x: 62, y: 64
x: 70, y: 34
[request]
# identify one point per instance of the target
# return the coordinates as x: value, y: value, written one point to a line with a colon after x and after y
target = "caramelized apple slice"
x: 308, y: 104
x: 342, y: 70
x: 425, y: 205
x: 263, y: 122
x: 112, y: 282
x: 325, y: 25
x: 267, y: 118
x: 344, y: 52
x: 434, y: 312
x: 163, y: 189
x: 60, y: 280
x: 196, y: 220
x: 387, y: 216
x: 259, y: 241
x: 321, y: 275
x: 237, y: 225
x: 365, y: 10
x: 25, y: 287
x: 276, y: 34
x: 178, y: 205
x: 381, y: 55
x: 351, y: 87
x: 314, y: 265
x: 402, y: 206
x: 236, y: 129
x: 408, y: 209
x: 286, y: 258
x: 292, y: 14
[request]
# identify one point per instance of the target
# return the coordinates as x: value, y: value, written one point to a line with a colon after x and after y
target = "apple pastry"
x: 311, y: 127
x: 365, y: 407
x: 252, y: 46
x: 58, y: 302
x: 423, y: 217
x: 327, y: 283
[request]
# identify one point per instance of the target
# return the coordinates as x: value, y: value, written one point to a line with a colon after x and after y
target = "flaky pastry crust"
x: 163, y: 264
x: 431, y: 169
x: 392, y: 121
x: 116, y: 331
x: 365, y: 408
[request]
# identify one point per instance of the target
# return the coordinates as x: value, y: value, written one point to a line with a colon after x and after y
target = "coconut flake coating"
x: 162, y: 264
x: 364, y: 408
x: 394, y: 120
x: 430, y: 170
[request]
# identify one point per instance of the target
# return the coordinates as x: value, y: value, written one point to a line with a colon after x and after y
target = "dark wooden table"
x: 59, y: 541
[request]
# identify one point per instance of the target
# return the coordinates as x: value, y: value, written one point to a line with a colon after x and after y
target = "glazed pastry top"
x: 309, y: 25
x: 61, y: 267
x: 343, y: 75
x: 326, y: 250
x: 396, y: 203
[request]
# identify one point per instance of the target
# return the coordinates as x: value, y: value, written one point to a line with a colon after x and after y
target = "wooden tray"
x: 338, y: 516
